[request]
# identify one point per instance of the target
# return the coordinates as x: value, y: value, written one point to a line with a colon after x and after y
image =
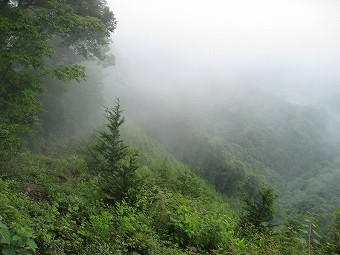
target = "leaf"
x: 307, y: 220
x: 8, y: 251
x: 25, y: 253
x: 316, y: 241
x: 5, y: 236
x: 315, y: 233
x: 299, y: 239
x: 22, y: 231
x: 32, y: 244
x: 15, y: 238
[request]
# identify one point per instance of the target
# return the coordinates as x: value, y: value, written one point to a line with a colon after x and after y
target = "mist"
x: 260, y: 79
x: 174, y: 48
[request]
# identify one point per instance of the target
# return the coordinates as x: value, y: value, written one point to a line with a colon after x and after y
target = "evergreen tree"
x: 260, y: 210
x: 116, y: 162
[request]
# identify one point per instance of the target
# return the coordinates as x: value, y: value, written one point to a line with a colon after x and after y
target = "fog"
x: 290, y: 48
x: 252, y: 80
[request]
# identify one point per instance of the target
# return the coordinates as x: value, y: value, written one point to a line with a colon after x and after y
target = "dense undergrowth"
x: 54, y: 203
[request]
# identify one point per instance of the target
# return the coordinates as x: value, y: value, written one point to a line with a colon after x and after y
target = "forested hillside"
x: 245, y: 138
x: 231, y: 170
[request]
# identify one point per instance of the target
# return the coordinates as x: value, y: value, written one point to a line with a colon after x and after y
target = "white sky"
x: 189, y: 36
x: 237, y: 26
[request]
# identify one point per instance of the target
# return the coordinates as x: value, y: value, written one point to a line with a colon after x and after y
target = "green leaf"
x: 32, y: 244
x: 22, y: 231
x: 316, y: 241
x: 315, y: 233
x: 5, y: 236
x: 15, y: 238
x: 302, y: 240
x: 8, y: 251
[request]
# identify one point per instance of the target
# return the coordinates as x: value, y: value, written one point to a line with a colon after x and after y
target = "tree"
x: 117, y: 163
x: 260, y: 210
x: 30, y: 34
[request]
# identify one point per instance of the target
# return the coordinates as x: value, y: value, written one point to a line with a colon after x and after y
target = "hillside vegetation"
x: 70, y: 203
x: 245, y: 174
x: 247, y: 138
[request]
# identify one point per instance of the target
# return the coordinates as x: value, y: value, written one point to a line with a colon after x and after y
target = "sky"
x: 277, y: 44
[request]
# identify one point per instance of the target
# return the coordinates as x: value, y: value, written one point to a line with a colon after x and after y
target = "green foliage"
x: 124, y: 201
x: 335, y: 233
x: 110, y: 147
x: 292, y: 237
x: 117, y: 163
x: 259, y: 211
x: 202, y: 224
x: 16, y: 237
x: 30, y: 32
x: 20, y: 243
x: 59, y: 199
x: 251, y: 138
x: 312, y: 233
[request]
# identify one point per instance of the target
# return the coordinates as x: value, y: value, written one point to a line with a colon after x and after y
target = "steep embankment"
x: 56, y: 198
